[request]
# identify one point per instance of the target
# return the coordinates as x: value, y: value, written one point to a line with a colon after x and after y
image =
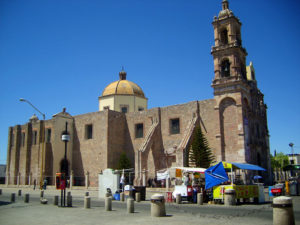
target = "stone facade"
x: 234, y: 123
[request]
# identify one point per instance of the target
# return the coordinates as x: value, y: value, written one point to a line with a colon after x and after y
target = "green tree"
x: 279, y: 161
x: 201, y: 154
x: 124, y: 162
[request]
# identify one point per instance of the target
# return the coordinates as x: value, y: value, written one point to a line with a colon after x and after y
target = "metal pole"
x: 43, y: 140
x: 65, y: 163
x: 43, y: 151
x: 291, y: 145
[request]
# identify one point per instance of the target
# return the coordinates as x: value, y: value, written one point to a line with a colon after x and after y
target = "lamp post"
x: 65, y: 137
x: 43, y: 140
x: 291, y: 145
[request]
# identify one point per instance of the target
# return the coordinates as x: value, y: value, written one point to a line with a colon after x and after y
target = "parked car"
x: 278, y: 190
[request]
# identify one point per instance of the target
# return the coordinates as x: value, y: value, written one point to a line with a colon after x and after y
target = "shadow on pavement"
x: 4, y: 203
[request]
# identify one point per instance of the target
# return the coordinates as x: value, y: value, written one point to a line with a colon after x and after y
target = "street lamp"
x: 43, y: 139
x: 291, y: 145
x: 65, y: 137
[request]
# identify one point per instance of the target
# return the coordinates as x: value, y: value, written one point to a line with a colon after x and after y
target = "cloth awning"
x: 215, y: 175
x: 246, y: 166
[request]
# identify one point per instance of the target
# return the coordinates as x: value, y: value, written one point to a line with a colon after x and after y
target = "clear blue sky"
x: 59, y: 53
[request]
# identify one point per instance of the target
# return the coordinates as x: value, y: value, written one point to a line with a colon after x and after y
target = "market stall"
x: 242, y: 191
x: 190, y: 182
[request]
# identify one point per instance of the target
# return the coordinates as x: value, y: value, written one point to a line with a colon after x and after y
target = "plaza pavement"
x: 33, y: 213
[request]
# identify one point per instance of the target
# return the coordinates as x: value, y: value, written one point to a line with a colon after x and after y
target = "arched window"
x: 224, y: 36
x: 225, y: 68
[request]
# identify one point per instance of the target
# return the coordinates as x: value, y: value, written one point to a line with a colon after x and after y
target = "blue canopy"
x: 246, y: 166
x: 215, y: 175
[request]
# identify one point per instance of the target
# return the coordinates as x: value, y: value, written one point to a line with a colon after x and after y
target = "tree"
x: 124, y: 162
x: 279, y: 161
x: 201, y: 154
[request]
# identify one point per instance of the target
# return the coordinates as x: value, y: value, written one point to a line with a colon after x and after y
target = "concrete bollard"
x: 69, y: 200
x: 0, y: 191
x: 178, y: 198
x: 87, y: 202
x: 55, y: 200
x: 158, y: 208
x: 108, y: 204
x: 122, y: 198
x: 86, y: 193
x: 229, y: 197
x: 138, y: 197
x: 130, y: 205
x: 13, y: 197
x: 200, y: 198
x: 19, y: 192
x: 26, y: 198
x: 283, y: 213
x: 42, y: 194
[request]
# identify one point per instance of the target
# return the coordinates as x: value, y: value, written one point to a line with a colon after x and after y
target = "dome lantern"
x: 122, y: 75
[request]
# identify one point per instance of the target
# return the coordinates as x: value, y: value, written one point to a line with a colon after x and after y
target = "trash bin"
x: 158, y: 205
x: 142, y: 190
x: 117, y: 196
x: 270, y: 193
x: 261, y: 193
x: 293, y: 188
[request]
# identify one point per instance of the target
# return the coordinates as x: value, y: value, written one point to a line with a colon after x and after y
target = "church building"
x: 234, y: 122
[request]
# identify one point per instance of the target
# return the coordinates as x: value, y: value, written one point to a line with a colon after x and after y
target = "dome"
x: 123, y: 87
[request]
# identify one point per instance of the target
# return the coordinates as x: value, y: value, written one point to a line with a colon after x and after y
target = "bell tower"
x: 231, y: 87
x: 228, y: 53
x: 242, y: 135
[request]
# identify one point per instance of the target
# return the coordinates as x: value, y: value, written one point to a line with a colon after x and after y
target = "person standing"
x: 45, y: 184
x: 34, y: 184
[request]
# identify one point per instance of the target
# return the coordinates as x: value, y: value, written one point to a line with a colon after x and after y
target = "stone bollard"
x: 107, y: 194
x: 122, y: 196
x: 13, y: 197
x: 229, y: 197
x: 26, y: 198
x: 42, y: 194
x: 55, y: 200
x: 137, y: 196
x: 20, y: 193
x: 200, y: 198
x: 283, y: 213
x: 69, y: 200
x: 44, y: 201
x: 178, y: 198
x: 108, y: 201
x: 86, y: 193
x: 130, y: 205
x: 87, y: 202
x: 158, y: 205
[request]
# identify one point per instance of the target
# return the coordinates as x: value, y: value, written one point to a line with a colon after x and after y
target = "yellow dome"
x: 123, y: 87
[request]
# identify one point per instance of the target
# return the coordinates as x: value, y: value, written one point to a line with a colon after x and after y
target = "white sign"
x: 163, y: 176
x: 65, y: 137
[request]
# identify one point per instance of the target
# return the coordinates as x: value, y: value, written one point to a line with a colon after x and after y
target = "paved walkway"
x: 33, y: 213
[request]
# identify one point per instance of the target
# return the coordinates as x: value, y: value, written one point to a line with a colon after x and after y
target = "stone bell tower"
x: 230, y: 84
x: 243, y: 134
x: 229, y: 55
